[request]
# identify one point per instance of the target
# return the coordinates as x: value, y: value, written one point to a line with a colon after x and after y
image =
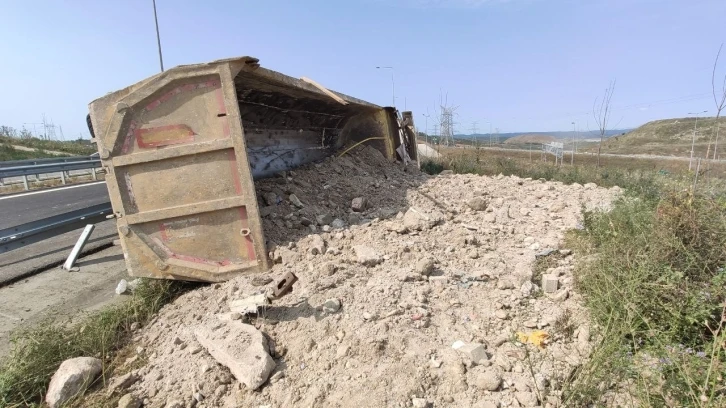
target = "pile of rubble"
x: 413, y: 290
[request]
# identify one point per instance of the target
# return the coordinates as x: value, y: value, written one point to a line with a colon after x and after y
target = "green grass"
x: 652, y: 274
x: 38, y: 351
x: 7, y: 152
x: 655, y: 286
x: 80, y: 147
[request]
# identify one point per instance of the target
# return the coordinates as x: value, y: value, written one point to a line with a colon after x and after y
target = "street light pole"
x: 693, y: 141
x: 393, y: 83
x: 158, y: 38
x: 574, y: 132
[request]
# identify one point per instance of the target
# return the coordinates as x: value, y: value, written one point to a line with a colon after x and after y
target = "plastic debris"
x: 536, y: 337
x: 122, y: 287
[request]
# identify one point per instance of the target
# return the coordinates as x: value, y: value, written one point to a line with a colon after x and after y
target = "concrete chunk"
x: 367, y: 256
x: 550, y: 283
x: 474, y: 352
x: 248, y: 305
x: 239, y: 347
x: 359, y: 204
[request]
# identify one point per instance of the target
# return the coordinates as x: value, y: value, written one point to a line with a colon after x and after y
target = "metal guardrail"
x: 35, y: 231
x: 49, y: 160
x: 39, y: 167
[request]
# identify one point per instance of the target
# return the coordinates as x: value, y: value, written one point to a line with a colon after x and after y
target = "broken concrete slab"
x: 239, y: 347
x: 71, y: 379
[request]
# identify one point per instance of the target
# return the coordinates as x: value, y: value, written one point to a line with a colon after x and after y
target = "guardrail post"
x: 73, y: 256
x: 25, y: 182
x: 63, y: 177
x: 93, y: 172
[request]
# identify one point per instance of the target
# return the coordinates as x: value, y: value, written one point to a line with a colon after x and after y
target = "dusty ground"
x: 432, y: 262
x: 60, y: 295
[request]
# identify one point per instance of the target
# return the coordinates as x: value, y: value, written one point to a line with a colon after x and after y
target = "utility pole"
x: 427, y: 116
x: 574, y: 145
x: 158, y: 38
x: 490, y: 134
x: 473, y: 132
x: 693, y: 140
x: 393, y: 83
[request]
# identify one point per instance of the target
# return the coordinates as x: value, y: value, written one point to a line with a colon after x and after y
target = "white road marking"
x: 52, y: 190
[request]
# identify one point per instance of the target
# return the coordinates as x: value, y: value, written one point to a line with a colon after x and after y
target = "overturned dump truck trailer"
x: 183, y: 147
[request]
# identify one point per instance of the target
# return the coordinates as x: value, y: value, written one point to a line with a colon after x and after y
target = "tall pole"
x: 393, y: 83
x: 693, y: 140
x: 572, y: 160
x: 158, y: 38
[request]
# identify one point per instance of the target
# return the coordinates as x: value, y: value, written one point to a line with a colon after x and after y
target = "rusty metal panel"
x: 183, y: 147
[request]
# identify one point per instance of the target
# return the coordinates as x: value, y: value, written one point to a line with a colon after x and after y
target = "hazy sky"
x: 520, y: 64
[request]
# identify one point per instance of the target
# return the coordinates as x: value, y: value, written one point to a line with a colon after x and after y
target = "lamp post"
x: 574, y: 145
x: 693, y: 140
x: 158, y: 38
x: 393, y: 83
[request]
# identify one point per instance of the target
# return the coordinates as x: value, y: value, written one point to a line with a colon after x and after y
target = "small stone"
x: 550, y: 283
x: 270, y: 199
x: 526, y: 399
x: 331, y: 305
x: 328, y: 268
x: 565, y: 252
x: 419, y: 403
x: 436, y: 363
x: 317, y: 245
x: 129, y: 401
x: 561, y: 296
x: 425, y: 266
x: 530, y: 324
x: 338, y: 223
x: 524, y: 211
x: 478, y: 203
x: 474, y: 352
x: 489, y: 380
x: 367, y: 316
x: 296, y: 201
x: 367, y: 256
x: 439, y: 280
x: 590, y: 186
x: 324, y: 219
x: 342, y: 351
x: 501, y: 314
x: 359, y: 204
x: 527, y: 288
x: 123, y: 382
x: 134, y: 326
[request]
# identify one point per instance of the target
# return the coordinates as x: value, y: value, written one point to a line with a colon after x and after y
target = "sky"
x: 515, y: 65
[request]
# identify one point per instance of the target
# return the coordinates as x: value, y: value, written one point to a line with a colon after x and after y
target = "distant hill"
x: 561, y: 134
x: 670, y: 137
x: 531, y: 138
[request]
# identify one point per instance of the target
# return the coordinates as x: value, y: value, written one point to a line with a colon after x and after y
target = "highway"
x: 25, y: 207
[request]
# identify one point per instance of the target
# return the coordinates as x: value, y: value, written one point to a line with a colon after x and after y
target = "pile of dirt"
x: 415, y: 299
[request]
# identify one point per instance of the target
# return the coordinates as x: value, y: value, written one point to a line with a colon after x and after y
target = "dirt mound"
x: 415, y: 301
x: 533, y: 138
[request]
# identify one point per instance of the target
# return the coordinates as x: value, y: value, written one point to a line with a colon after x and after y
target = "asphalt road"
x: 25, y: 207
x: 21, y: 208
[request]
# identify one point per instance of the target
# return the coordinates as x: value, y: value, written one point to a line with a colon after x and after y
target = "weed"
x: 38, y: 351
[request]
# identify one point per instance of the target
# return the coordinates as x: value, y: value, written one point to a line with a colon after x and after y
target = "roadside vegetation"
x: 651, y: 272
x: 38, y: 351
x: 10, y: 137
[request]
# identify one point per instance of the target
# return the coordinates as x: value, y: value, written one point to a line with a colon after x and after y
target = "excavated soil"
x: 432, y: 261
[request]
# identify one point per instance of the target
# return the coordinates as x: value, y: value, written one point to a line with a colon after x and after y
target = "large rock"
x: 239, y: 347
x: 71, y: 379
